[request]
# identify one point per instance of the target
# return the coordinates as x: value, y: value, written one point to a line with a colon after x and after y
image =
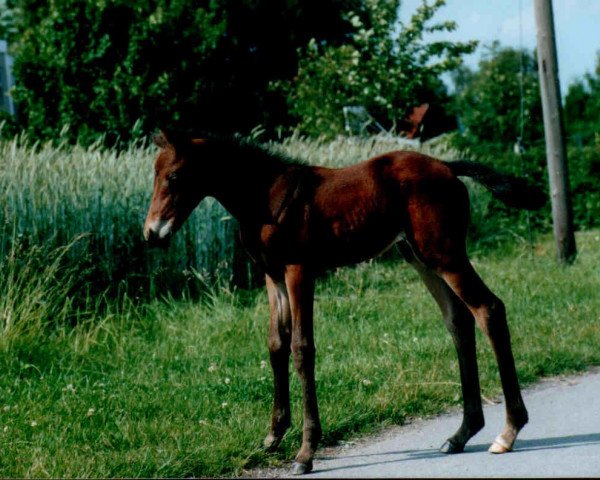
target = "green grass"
x: 180, y: 388
x: 53, y: 193
x: 100, y: 378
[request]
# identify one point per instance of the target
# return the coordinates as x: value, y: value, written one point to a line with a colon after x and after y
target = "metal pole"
x: 6, y: 80
x: 562, y: 212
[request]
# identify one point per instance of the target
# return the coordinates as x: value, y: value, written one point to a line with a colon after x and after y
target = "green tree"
x: 101, y: 66
x: 488, y: 101
x: 104, y: 67
x: 386, y: 66
x: 582, y: 108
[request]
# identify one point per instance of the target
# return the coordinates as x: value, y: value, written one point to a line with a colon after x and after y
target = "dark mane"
x: 253, y: 153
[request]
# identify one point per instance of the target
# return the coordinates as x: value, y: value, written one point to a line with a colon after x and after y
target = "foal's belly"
x: 326, y: 248
x: 343, y: 247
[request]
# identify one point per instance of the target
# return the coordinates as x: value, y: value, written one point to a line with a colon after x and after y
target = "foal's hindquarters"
x: 433, y: 232
x: 436, y: 248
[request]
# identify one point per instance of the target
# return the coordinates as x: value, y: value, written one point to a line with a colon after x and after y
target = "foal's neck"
x: 244, y: 177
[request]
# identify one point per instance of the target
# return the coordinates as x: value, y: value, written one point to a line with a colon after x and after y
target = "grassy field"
x: 176, y: 388
x: 55, y: 193
x: 119, y: 361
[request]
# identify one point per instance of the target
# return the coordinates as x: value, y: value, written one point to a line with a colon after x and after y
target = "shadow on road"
x: 551, y: 443
x: 525, y: 445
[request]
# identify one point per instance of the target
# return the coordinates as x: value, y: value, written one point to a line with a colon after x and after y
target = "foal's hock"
x: 298, y: 220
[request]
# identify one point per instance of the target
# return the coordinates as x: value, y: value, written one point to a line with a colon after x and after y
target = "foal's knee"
x: 304, y: 354
x: 278, y: 347
x: 275, y: 344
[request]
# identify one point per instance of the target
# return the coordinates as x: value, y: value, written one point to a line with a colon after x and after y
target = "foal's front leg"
x: 300, y: 286
x: 279, y: 353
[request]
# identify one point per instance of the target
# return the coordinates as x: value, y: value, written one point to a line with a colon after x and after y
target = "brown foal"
x: 297, y: 221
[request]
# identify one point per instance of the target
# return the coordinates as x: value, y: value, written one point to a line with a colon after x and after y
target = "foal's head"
x: 177, y: 189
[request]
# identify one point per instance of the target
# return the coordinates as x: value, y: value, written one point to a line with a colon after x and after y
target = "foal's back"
x: 359, y: 211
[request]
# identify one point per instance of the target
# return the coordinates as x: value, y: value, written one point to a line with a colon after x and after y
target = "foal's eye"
x: 173, y: 180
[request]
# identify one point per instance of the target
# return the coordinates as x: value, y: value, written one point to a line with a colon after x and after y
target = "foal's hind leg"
x: 461, y: 326
x: 490, y: 314
x: 438, y: 219
x: 279, y: 353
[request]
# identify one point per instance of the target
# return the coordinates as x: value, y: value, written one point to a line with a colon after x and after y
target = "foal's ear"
x: 161, y: 139
x: 165, y: 138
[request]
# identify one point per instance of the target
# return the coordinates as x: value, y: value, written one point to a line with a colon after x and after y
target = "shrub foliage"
x: 122, y: 67
x: 383, y: 68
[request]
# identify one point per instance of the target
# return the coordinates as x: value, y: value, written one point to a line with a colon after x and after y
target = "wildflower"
x: 33, y: 423
x: 263, y: 364
x: 366, y: 382
x: 227, y: 380
x: 212, y: 368
x: 90, y: 412
x: 224, y: 405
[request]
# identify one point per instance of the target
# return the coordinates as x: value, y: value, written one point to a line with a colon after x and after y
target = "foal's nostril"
x: 149, y: 235
x: 157, y: 233
x: 153, y: 239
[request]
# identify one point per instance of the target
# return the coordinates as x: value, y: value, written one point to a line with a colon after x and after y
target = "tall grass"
x: 53, y: 193
x: 34, y: 291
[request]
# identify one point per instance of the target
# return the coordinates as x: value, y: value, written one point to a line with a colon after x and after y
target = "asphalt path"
x: 562, y: 439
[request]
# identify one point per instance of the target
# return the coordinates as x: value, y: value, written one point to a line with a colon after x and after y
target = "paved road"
x: 562, y: 439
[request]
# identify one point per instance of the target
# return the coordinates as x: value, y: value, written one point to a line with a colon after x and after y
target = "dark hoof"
x: 449, y: 447
x: 302, y: 468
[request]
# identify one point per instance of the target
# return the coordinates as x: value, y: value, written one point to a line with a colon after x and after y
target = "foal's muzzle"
x: 153, y: 240
x: 158, y: 233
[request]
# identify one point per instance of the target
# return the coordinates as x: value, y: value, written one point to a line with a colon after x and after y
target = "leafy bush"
x: 582, y: 108
x: 584, y: 173
x: 493, y: 220
x: 384, y: 71
x: 489, y: 104
x: 101, y: 66
x: 6, y: 19
x: 488, y: 101
x: 124, y: 67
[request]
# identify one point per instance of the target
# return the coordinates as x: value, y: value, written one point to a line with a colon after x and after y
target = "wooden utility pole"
x: 556, y: 154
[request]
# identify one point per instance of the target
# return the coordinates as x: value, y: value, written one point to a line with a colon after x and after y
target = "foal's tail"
x: 513, y: 191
